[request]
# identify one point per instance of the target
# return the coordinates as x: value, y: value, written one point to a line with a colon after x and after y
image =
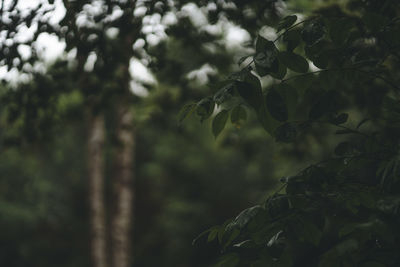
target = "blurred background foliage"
x: 186, y: 180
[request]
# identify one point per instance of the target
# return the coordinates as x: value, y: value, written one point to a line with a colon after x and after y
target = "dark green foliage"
x: 205, y: 108
x: 286, y: 22
x: 266, y: 57
x: 276, y: 105
x: 344, y: 210
x: 293, y: 61
x: 219, y: 122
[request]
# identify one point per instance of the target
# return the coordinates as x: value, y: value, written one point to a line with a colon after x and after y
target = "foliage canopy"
x: 343, y: 210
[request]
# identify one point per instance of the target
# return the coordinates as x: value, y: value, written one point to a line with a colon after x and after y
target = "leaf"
x: 250, y: 90
x: 313, y: 32
x: 263, y: 44
x: 185, y: 112
x: 205, y: 108
x: 200, y: 236
x: 213, y: 233
x: 238, y: 116
x: 244, y: 217
x: 276, y: 239
x: 245, y: 244
x: 219, y: 122
x: 223, y: 94
x: 265, y: 59
x: 292, y: 39
x: 251, y: 94
x: 293, y: 61
x: 286, y: 22
x: 276, y: 105
x: 229, y: 236
x: 340, y: 29
x: 281, y: 72
x: 317, y: 53
x: 290, y: 97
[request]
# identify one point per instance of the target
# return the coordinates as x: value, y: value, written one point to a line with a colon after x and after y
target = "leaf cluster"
x: 344, y: 210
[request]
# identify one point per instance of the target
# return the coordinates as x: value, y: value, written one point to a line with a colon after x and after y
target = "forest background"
x: 96, y: 168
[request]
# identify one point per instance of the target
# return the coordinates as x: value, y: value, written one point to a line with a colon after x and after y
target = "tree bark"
x: 122, y: 180
x: 96, y: 190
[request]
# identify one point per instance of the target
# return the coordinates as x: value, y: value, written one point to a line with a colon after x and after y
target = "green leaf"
x: 250, y: 90
x: 213, y: 233
x: 313, y: 32
x: 263, y: 44
x: 244, y: 217
x: 205, y: 108
x: 265, y: 59
x: 286, y: 22
x: 340, y: 29
x: 280, y: 73
x: 185, y: 112
x: 266, y: 62
x: 238, y: 116
x: 290, y: 96
x: 276, y: 105
x: 229, y: 236
x: 245, y: 244
x: 200, y: 236
x: 251, y: 94
x: 293, y: 61
x: 292, y: 39
x: 318, y: 54
x: 223, y: 94
x: 219, y: 122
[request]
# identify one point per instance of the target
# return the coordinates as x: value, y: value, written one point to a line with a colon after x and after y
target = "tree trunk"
x: 96, y: 190
x: 122, y: 180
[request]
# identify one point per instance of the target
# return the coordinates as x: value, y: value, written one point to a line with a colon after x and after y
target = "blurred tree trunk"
x: 96, y: 190
x: 121, y: 222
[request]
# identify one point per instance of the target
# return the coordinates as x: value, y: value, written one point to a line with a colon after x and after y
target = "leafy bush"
x: 345, y: 210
